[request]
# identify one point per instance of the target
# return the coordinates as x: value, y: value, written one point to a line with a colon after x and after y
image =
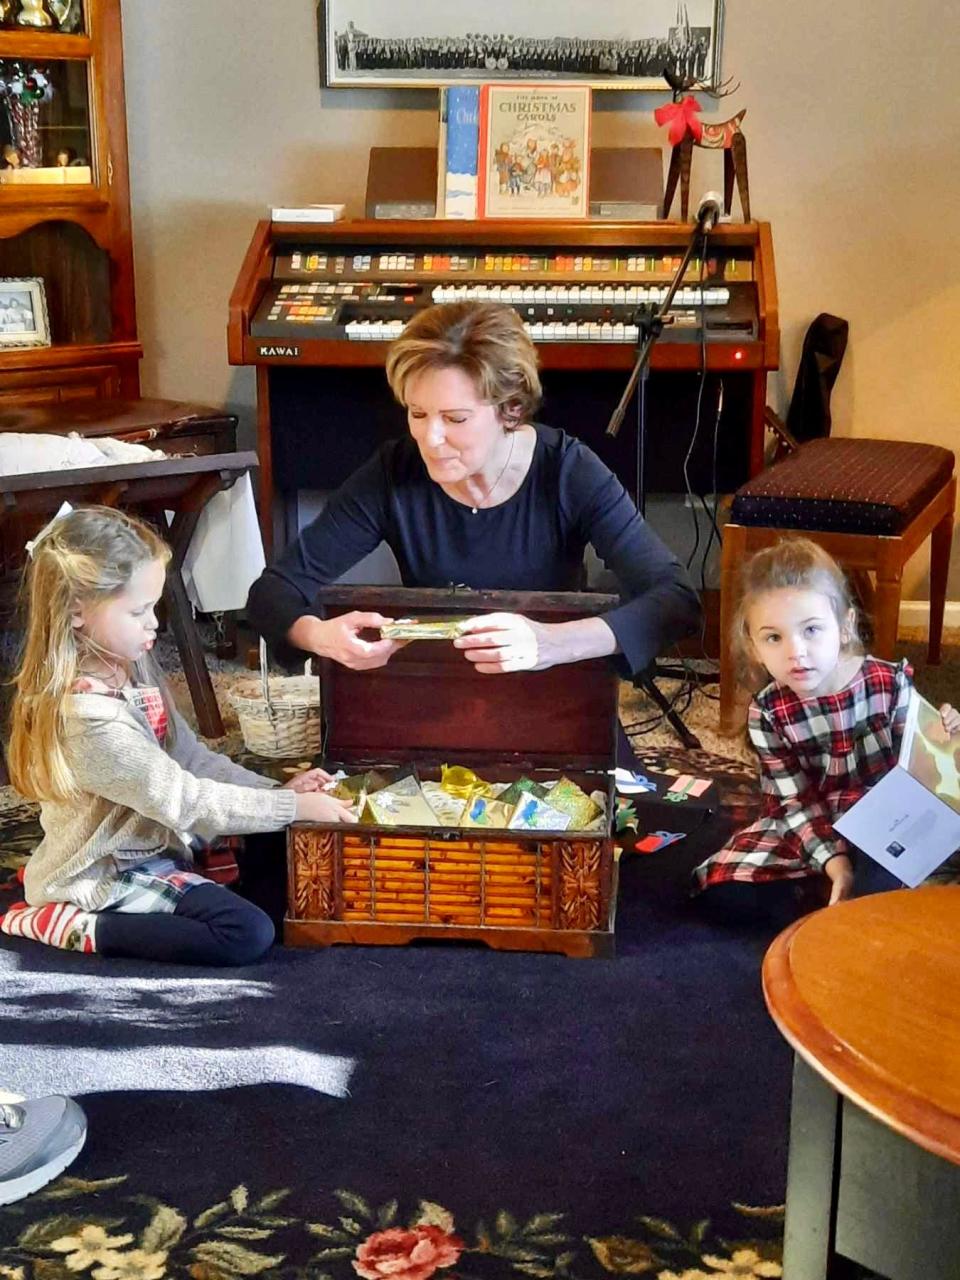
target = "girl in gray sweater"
x: 123, y: 783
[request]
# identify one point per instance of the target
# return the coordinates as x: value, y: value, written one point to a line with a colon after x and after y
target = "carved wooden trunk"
x: 515, y: 890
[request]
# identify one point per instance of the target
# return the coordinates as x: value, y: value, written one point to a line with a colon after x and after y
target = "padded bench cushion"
x: 845, y: 486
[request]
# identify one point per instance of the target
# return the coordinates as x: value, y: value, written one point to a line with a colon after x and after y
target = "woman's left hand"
x: 496, y: 642
x: 309, y: 780
x: 950, y: 717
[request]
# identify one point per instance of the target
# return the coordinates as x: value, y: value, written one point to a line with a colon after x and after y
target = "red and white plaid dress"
x: 817, y: 757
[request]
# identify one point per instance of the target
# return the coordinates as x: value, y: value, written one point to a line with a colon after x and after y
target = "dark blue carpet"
x: 405, y: 1112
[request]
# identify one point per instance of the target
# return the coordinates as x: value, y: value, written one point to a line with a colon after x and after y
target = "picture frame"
x: 23, y: 312
x: 534, y: 153
x: 616, y: 44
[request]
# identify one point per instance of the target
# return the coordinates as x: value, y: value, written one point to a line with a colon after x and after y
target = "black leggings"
x: 211, y: 925
x: 779, y: 902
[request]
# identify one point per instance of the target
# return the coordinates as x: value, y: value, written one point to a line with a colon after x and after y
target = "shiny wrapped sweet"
x: 458, y: 780
x: 356, y: 785
x: 522, y: 786
x: 423, y: 628
x: 566, y: 796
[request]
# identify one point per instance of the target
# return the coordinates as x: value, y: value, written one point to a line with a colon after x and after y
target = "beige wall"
x: 853, y: 126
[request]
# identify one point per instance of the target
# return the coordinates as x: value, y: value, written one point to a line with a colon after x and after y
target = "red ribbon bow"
x: 681, y: 116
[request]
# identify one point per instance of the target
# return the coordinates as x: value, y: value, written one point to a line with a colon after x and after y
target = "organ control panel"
x: 334, y: 295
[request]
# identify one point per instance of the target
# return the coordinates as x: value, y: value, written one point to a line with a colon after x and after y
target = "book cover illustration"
x: 929, y: 754
x: 534, y: 151
x: 460, y: 114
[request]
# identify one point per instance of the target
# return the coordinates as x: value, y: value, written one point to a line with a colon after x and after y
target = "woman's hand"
x: 339, y: 638
x: 318, y: 806
x: 309, y: 780
x: 496, y: 642
x: 950, y: 717
x: 839, y: 871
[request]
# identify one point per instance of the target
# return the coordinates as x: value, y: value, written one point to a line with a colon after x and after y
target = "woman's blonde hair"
x: 802, y: 565
x: 486, y: 340
x: 84, y: 557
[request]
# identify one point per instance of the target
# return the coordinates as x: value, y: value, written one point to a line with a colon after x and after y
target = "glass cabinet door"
x: 45, y: 129
x: 63, y: 16
x: 47, y: 135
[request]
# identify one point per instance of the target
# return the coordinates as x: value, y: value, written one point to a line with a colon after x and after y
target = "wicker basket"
x: 281, y: 717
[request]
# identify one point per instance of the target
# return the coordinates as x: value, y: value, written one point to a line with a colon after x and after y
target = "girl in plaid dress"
x: 125, y: 788
x: 826, y: 728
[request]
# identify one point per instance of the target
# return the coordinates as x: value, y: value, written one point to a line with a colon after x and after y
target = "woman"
x: 478, y: 495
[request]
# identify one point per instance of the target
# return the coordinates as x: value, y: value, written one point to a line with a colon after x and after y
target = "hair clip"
x: 65, y: 509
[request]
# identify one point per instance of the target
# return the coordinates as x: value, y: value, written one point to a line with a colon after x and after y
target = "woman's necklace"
x: 490, y: 492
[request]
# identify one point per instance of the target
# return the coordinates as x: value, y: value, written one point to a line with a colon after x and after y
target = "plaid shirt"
x: 818, y: 756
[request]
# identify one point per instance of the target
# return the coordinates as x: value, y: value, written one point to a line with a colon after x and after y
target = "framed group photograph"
x: 23, y: 313
x: 534, y: 151
x: 613, y: 44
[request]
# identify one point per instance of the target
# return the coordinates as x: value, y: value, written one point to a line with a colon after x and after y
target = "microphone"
x: 708, y: 211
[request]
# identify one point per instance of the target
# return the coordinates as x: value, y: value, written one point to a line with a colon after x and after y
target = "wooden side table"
x: 868, y: 995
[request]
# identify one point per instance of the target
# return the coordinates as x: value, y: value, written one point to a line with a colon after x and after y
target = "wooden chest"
x: 531, y: 891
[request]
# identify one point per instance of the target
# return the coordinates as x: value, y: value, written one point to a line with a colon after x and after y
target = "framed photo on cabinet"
x: 534, y: 151
x: 23, y: 312
x: 614, y: 44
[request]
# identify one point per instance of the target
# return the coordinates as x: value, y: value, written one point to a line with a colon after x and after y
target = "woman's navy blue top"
x: 534, y: 541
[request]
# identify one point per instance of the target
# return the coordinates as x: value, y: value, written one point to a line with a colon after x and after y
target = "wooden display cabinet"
x: 74, y: 235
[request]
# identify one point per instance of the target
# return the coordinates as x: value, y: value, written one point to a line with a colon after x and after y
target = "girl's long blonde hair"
x: 84, y: 557
x: 801, y: 565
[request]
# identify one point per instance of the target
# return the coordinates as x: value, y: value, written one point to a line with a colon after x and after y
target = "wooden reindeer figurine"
x: 687, y: 130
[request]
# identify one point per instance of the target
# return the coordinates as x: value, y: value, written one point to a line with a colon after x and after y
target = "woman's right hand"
x: 318, y: 806
x: 339, y: 638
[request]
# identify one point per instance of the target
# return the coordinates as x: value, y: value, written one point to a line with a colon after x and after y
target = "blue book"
x: 462, y: 141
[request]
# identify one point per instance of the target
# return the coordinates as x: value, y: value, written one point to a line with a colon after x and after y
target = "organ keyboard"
x: 313, y: 303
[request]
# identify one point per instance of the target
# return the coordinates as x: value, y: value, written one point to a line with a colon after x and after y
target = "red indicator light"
x: 738, y: 355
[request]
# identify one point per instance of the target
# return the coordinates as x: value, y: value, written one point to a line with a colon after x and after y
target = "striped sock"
x: 58, y: 924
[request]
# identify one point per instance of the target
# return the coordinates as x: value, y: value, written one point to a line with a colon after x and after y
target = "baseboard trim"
x: 916, y: 613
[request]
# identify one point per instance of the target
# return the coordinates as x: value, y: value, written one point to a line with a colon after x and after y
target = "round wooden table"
x: 867, y: 993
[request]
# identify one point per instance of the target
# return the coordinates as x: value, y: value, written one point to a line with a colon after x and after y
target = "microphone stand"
x: 650, y: 323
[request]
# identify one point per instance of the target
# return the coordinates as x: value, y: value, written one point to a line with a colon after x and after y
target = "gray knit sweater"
x: 137, y: 800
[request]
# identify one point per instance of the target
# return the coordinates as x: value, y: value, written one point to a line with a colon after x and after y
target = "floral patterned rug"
x: 498, y: 1115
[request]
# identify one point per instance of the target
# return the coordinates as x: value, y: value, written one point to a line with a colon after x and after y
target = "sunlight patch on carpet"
x: 38, y: 1069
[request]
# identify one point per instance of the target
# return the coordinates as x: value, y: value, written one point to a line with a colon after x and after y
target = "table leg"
x: 812, y: 1177
x: 185, y: 629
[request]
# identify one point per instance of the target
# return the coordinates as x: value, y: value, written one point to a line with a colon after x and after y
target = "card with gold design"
x: 482, y: 811
x: 402, y: 807
x: 533, y: 814
x: 447, y: 807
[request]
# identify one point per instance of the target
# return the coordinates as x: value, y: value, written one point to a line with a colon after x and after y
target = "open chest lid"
x: 429, y: 704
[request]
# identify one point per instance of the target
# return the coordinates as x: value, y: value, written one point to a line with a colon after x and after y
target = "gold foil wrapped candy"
x: 423, y: 628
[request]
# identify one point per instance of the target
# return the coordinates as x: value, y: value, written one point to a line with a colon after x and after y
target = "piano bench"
x: 871, y: 504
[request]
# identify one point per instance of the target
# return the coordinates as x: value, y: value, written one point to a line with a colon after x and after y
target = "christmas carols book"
x: 534, y: 151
